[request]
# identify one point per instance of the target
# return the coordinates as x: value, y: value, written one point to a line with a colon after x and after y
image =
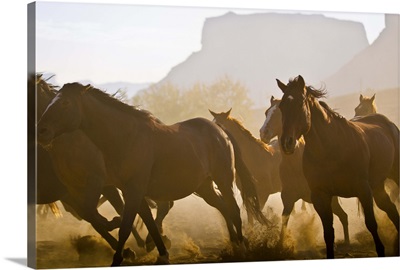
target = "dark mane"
x: 312, y: 91
x: 114, y: 102
x: 316, y: 93
x: 251, y: 137
x: 329, y: 110
x: 322, y: 93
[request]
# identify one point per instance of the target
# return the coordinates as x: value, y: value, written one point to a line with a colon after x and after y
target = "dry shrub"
x: 92, y: 250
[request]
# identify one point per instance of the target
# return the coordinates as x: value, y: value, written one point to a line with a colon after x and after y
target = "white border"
x: 13, y: 59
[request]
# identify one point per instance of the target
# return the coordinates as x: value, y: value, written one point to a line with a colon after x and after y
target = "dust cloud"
x: 198, y: 235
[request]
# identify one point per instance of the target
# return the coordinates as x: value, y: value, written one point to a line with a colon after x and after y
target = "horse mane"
x: 44, y: 84
x: 115, y: 102
x: 322, y: 93
x: 250, y: 136
x: 316, y: 93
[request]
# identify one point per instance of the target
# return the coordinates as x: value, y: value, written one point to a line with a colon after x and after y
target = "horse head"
x: 221, y: 118
x: 63, y: 114
x: 366, y: 106
x: 296, y: 117
x: 273, y: 121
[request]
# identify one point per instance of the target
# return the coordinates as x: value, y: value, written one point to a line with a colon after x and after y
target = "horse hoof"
x: 163, y: 259
x: 117, y: 260
x: 129, y: 254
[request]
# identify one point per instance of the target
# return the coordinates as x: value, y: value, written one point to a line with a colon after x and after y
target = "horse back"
x: 205, y: 134
x: 191, y: 152
x: 383, y: 138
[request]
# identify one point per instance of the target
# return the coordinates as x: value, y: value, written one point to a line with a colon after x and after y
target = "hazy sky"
x: 109, y: 43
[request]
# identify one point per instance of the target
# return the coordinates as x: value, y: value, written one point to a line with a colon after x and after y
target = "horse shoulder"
x: 77, y: 159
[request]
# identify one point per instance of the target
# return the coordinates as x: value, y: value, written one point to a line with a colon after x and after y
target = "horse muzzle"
x: 265, y: 136
x: 288, y: 145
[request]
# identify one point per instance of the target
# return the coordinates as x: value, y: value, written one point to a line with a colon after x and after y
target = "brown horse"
x: 294, y: 183
x: 261, y: 159
x: 77, y: 180
x: 367, y: 106
x: 147, y: 158
x: 341, y: 158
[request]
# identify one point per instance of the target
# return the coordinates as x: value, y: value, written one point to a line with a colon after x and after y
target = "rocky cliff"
x: 376, y: 67
x: 255, y: 49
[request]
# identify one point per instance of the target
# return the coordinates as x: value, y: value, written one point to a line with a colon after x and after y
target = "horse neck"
x: 259, y: 158
x: 243, y: 137
x: 103, y: 122
x: 323, y: 127
x: 373, y: 109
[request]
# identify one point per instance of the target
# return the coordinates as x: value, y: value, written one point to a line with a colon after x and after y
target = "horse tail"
x: 248, y: 190
x: 55, y: 210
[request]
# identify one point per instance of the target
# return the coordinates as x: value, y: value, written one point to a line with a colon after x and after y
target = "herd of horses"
x: 92, y: 147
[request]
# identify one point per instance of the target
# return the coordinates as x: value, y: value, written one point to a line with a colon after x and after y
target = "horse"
x: 365, y: 107
x: 294, y: 183
x: 76, y: 179
x: 148, y: 158
x: 261, y: 159
x: 341, y: 158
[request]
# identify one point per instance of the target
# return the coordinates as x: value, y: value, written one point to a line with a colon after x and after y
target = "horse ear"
x: 281, y: 85
x: 301, y: 81
x: 229, y: 112
x: 272, y: 99
x: 373, y: 98
x: 361, y: 97
x: 212, y: 113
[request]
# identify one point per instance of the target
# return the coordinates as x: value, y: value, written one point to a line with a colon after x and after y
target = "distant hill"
x: 255, y: 49
x: 129, y: 88
x: 375, y: 67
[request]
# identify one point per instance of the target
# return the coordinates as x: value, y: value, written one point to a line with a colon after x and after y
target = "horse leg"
x: 132, y: 205
x: 370, y: 221
x: 113, y: 196
x: 162, y: 211
x: 154, y: 232
x: 322, y: 204
x: 207, y: 192
x: 288, y: 205
x: 96, y: 222
x: 383, y: 201
x: 341, y: 214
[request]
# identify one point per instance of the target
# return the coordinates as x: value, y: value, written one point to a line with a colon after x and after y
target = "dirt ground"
x: 198, y: 235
